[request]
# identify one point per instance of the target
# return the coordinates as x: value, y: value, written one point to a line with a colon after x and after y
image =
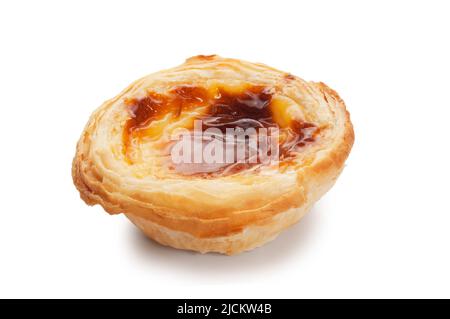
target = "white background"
x: 382, y: 231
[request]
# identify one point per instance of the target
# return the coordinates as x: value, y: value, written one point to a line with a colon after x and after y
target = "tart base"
x: 251, y: 237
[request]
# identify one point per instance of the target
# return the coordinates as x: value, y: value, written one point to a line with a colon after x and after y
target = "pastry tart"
x: 160, y: 153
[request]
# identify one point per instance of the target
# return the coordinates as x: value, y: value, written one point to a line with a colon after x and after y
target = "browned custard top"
x: 248, y: 108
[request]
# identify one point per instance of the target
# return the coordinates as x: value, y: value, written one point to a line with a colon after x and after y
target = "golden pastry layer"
x: 123, y: 158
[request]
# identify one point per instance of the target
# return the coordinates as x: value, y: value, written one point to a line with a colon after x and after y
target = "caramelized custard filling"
x: 219, y: 108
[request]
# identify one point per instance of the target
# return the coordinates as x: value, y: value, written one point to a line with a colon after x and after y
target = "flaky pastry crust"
x: 226, y: 214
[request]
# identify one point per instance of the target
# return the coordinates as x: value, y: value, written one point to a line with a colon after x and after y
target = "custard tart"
x: 215, y: 155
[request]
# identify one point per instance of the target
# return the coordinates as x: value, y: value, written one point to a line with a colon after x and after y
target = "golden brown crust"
x: 226, y: 214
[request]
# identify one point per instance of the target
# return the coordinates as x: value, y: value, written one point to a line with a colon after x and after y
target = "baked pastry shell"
x: 226, y: 214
